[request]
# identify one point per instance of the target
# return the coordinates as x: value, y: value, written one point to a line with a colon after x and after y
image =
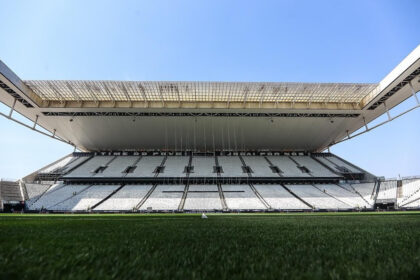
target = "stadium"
x: 206, y: 179
x: 206, y: 146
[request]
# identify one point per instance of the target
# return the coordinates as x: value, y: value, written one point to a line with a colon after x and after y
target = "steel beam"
x: 413, y: 92
x: 12, y: 108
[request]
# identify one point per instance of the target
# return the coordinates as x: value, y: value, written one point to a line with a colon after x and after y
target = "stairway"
x: 107, y: 197
x: 298, y: 197
x: 10, y: 191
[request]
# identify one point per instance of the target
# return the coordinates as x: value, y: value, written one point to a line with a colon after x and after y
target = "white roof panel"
x: 259, y: 92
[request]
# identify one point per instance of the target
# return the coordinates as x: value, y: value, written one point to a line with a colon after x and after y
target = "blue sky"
x: 295, y: 41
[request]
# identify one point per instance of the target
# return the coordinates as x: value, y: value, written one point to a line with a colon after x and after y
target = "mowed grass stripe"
x: 236, y: 246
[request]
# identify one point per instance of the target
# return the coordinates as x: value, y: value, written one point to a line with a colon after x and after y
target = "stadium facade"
x: 206, y: 146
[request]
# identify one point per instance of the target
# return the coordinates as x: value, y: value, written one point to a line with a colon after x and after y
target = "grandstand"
x: 184, y: 183
x: 181, y: 183
x: 11, y: 195
x: 206, y: 146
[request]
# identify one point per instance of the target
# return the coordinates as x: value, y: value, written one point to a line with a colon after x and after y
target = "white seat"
x: 387, y: 190
x: 317, y: 198
x: 57, y: 194
x: 88, y: 168
x: 259, y: 166
x: 125, y: 199
x: 366, y: 190
x: 279, y: 198
x: 175, y: 166
x: 146, y: 167
x: 165, y: 197
x: 85, y: 199
x: 203, y: 197
x: 203, y: 166
x: 316, y: 169
x: 344, y: 195
x: 231, y: 166
x: 241, y: 197
x: 287, y: 166
x: 118, y: 166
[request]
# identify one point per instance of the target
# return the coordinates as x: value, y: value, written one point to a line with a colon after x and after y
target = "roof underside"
x: 130, y: 115
x: 258, y: 92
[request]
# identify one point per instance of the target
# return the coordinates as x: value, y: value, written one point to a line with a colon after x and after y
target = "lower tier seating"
x: 164, y: 198
x: 365, y: 190
x: 203, y: 197
x: 241, y: 197
x: 125, y: 199
x: 85, y: 199
x: 35, y: 191
x: 413, y: 204
x: 211, y: 197
x: 318, y: 198
x: 279, y: 198
x: 344, y: 195
x: 410, y: 191
x: 56, y: 194
x: 387, y: 190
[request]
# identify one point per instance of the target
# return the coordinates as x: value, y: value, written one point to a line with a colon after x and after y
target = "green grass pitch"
x: 224, y: 246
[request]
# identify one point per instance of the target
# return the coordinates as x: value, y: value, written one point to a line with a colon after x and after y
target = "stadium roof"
x: 121, y: 115
x: 174, y: 94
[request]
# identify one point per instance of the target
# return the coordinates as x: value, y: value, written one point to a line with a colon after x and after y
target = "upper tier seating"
x: 203, y: 197
x: 259, y: 166
x: 232, y: 166
x: 279, y: 198
x: 339, y: 162
x: 338, y: 165
x: 63, y: 166
x: 88, y: 168
x: 58, y: 166
x: 316, y: 169
x: 175, y: 166
x: 126, y: 199
x: 117, y: 167
x: 165, y: 197
x: 287, y: 166
x: 317, y: 198
x: 203, y: 166
x: 75, y: 162
x: 146, y: 167
x: 241, y: 197
x: 387, y: 190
